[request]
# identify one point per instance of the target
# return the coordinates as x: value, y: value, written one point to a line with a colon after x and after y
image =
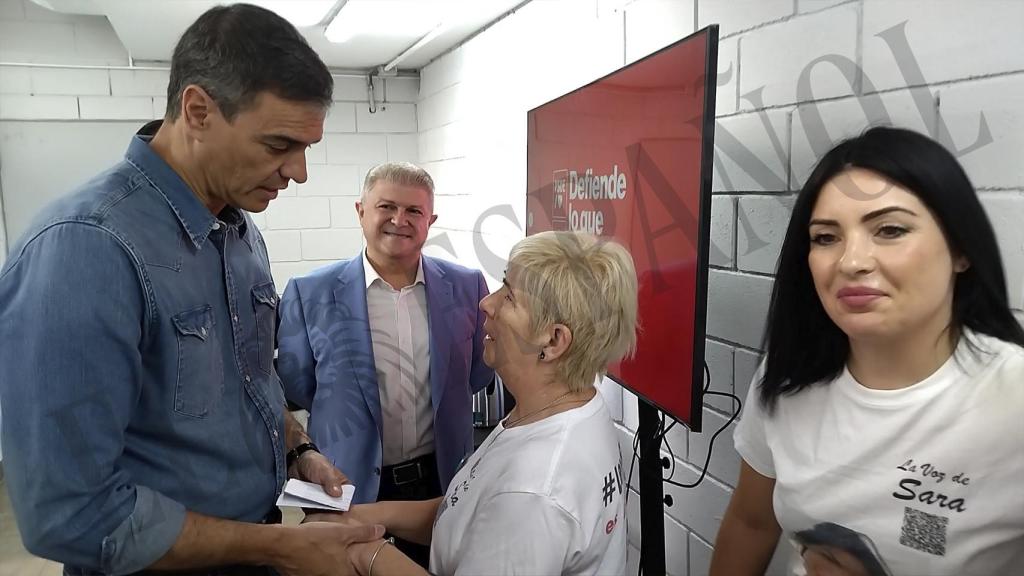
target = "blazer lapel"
x: 439, y: 306
x: 356, y: 344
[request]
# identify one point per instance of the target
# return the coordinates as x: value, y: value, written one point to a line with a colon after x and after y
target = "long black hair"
x: 803, y: 346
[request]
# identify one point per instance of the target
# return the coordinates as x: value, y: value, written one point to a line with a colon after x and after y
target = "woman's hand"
x: 357, y: 515
x: 832, y: 561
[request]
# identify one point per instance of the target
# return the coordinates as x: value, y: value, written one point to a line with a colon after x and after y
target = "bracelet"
x: 369, y: 569
x: 299, y: 450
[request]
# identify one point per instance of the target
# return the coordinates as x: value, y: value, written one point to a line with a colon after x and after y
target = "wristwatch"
x: 299, y: 450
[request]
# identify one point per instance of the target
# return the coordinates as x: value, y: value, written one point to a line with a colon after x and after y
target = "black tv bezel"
x: 694, y: 423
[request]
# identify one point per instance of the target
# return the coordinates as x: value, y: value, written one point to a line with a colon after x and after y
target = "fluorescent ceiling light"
x: 301, y: 13
x: 402, y: 18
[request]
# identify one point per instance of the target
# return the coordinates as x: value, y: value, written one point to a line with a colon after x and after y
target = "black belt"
x: 410, y: 471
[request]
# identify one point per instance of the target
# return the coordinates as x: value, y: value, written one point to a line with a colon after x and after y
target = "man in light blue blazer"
x: 385, y: 349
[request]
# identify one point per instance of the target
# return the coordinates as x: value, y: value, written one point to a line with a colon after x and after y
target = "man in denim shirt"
x: 144, y: 425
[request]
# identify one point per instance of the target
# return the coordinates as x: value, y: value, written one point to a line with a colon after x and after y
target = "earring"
x: 541, y: 355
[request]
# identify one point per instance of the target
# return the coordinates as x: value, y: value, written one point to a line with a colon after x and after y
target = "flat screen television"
x: 629, y: 157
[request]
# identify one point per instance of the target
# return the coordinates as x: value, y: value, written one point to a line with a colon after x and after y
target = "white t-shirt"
x: 926, y: 480
x: 538, y: 499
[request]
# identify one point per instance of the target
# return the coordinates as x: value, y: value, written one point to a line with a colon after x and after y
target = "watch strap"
x: 299, y: 450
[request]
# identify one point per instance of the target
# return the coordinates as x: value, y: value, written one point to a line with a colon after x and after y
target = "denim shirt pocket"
x: 264, y: 303
x: 200, y: 381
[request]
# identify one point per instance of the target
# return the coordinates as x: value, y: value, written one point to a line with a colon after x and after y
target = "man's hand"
x: 320, y: 549
x: 316, y: 468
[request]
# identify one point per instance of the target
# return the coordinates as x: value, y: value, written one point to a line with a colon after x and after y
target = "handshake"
x: 331, y: 544
x: 328, y: 542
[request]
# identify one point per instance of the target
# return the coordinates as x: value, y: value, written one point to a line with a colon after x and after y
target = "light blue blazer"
x: 325, y: 361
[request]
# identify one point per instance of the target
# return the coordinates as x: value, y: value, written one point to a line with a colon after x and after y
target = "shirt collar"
x: 371, y: 273
x: 195, y: 217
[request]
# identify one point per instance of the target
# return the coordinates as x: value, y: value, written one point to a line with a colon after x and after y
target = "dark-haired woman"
x: 890, y: 404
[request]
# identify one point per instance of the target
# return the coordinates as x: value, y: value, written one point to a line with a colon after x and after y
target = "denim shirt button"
x: 247, y: 379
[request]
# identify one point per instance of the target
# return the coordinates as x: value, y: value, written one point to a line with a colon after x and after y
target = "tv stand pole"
x: 652, y: 506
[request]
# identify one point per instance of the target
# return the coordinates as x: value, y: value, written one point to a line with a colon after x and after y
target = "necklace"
x: 509, y: 424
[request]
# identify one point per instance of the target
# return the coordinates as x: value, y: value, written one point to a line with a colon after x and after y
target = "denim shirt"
x: 136, y: 370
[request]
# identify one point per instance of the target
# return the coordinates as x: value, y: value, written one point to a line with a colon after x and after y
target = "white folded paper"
x: 301, y: 494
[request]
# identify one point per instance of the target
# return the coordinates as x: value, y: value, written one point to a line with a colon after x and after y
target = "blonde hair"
x: 587, y: 284
x: 402, y: 173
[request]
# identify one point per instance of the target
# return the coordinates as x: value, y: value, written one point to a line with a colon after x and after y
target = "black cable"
x: 660, y: 433
x: 671, y: 454
x: 738, y: 405
x: 711, y: 445
x: 632, y: 461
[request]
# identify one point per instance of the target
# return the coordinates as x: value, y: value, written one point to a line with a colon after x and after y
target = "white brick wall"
x: 735, y: 15
x: 963, y: 106
x: 465, y: 121
x: 331, y: 180
x: 299, y: 213
x: 285, y: 245
x: 330, y: 244
x: 760, y: 229
x: 387, y: 118
x: 139, y: 82
x: 30, y: 33
x: 770, y: 132
x: 1006, y: 211
x: 115, y: 107
x: 723, y: 232
x: 404, y: 147
x: 309, y: 225
x: 719, y: 357
x: 655, y: 24
x: 341, y: 118
x: 21, y: 107
x: 752, y: 152
x: 745, y: 363
x: 777, y: 57
x: 949, y: 40
x: 356, y: 148
x: 70, y: 81
x: 727, y: 97
x: 736, y: 306
x: 818, y: 126
x: 15, y: 80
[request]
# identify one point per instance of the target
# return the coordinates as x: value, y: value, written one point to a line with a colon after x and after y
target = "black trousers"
x: 414, y: 479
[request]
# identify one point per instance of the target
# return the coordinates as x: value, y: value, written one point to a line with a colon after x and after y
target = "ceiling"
x: 383, y: 29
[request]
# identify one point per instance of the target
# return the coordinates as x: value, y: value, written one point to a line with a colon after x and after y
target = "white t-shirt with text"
x: 537, y: 499
x: 925, y: 480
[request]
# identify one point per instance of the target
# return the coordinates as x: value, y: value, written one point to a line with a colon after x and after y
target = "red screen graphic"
x: 627, y: 157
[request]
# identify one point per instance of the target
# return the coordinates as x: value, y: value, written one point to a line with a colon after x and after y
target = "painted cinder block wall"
x: 794, y: 77
x: 309, y: 225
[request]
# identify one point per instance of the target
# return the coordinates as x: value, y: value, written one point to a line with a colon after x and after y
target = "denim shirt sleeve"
x: 73, y: 318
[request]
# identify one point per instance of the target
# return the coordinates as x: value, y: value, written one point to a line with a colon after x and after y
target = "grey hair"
x: 402, y: 173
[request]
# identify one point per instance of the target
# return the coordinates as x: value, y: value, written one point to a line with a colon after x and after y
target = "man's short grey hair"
x: 401, y: 173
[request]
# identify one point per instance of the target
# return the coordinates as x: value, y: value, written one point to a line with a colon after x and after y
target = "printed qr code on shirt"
x: 923, y: 531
